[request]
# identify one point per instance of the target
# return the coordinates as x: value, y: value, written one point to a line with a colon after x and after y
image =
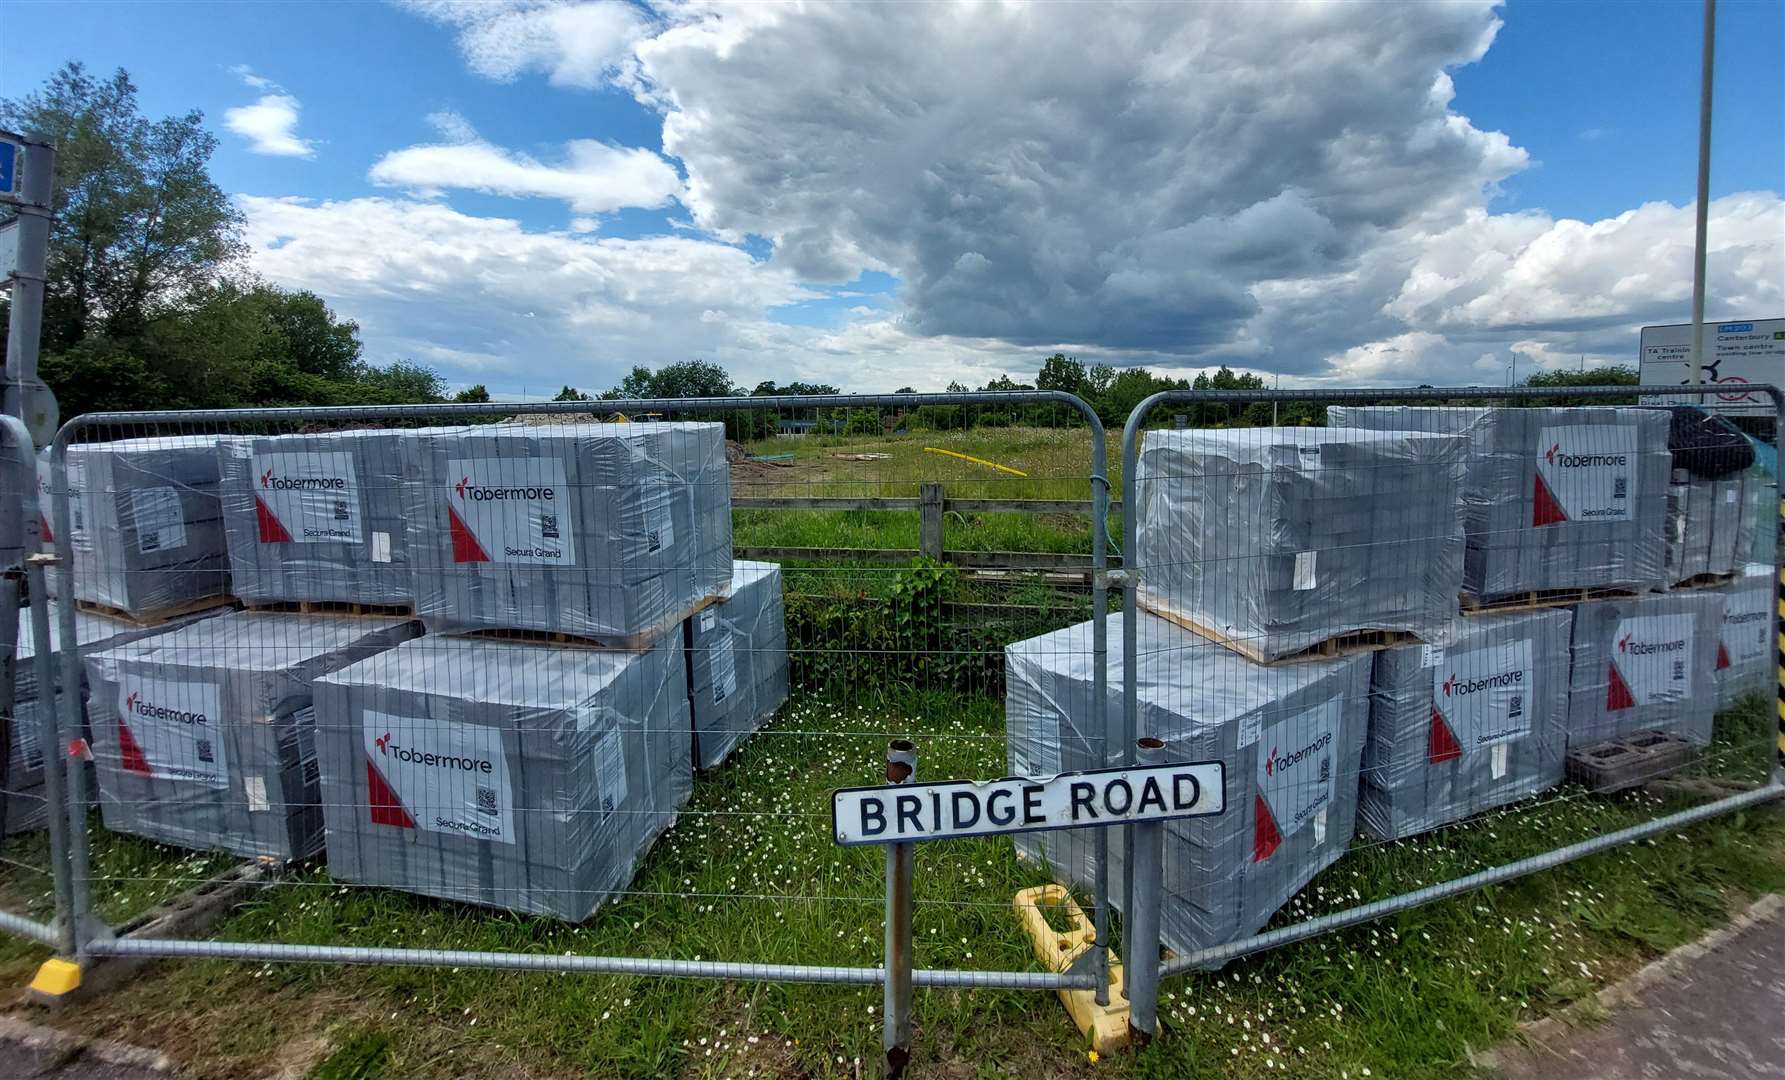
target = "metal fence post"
x: 50, y: 744
x: 929, y: 527
x: 1144, y: 912
x: 901, y: 766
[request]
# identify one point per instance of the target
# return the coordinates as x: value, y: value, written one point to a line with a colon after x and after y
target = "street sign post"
x: 9, y: 252
x: 26, y: 178
x: 1735, y: 354
x: 11, y: 152
x: 903, y: 813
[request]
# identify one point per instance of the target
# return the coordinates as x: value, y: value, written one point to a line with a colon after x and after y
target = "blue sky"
x: 879, y: 225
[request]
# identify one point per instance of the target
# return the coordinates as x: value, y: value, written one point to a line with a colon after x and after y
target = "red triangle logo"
x: 1545, y: 510
x: 1442, y: 745
x: 1265, y: 837
x: 1722, y: 656
x: 271, y: 530
x: 44, y: 529
x: 134, y: 759
x: 465, y: 547
x: 386, y: 808
x: 1618, y: 695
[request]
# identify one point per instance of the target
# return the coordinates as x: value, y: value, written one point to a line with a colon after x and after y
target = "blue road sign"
x: 9, y: 168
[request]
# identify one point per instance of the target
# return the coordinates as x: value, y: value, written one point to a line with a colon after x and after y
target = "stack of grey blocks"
x: 1276, y: 539
x: 204, y: 736
x: 1476, y: 719
x: 1555, y: 498
x: 318, y: 517
x: 1645, y: 663
x: 737, y: 662
x: 94, y: 632
x: 508, y: 774
x: 1757, y: 540
x: 1291, y: 738
x: 1746, y: 654
x: 1704, y: 525
x: 597, y: 530
x: 147, y: 528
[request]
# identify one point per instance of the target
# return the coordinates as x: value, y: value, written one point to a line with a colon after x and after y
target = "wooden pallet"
x: 156, y: 618
x: 333, y: 607
x: 638, y: 642
x: 1539, y: 598
x: 1340, y: 645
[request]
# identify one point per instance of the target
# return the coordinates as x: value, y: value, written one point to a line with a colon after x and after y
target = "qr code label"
x: 341, y: 512
x: 1679, y: 671
x: 1516, y: 706
x: 1620, y: 487
x: 1326, y: 770
x: 486, y: 801
x: 205, y: 752
x: 548, y: 526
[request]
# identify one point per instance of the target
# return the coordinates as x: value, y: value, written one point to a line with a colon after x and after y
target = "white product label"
x: 1304, y: 569
x: 380, y: 546
x: 510, y: 510
x: 439, y: 776
x: 172, y: 731
x: 707, y: 620
x: 160, y: 523
x: 1483, y: 696
x: 77, y: 505
x: 654, y: 504
x: 610, y: 772
x: 1585, y: 473
x: 1747, y: 625
x: 724, y: 667
x: 1651, y: 661
x: 1297, y: 772
x: 1431, y: 655
x: 1731, y: 495
x: 1310, y: 456
x: 307, y: 498
x: 1249, y: 726
x: 257, y: 793
x: 1500, y: 756
x: 1320, y: 826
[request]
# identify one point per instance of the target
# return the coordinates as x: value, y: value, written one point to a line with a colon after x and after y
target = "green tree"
x: 139, y: 222
x: 473, y: 395
x: 1610, y: 375
x: 1061, y: 372
x: 571, y: 393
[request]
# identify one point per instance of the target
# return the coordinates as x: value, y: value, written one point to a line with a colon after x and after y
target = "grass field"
x: 749, y: 873
x: 1058, y: 461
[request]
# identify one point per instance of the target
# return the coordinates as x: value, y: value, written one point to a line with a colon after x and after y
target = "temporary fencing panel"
x: 606, y: 661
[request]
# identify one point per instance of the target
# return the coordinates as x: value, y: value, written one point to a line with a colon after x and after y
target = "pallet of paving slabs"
x: 1647, y: 663
x: 737, y: 662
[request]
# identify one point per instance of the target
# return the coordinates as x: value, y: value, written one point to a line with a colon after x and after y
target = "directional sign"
x: 1735, y: 355
x: 901, y: 813
x: 12, y: 156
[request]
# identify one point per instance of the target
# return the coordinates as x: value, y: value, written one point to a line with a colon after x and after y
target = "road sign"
x: 12, y: 156
x: 1735, y: 353
x: 901, y: 813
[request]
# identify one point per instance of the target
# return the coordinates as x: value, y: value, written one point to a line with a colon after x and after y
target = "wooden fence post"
x: 929, y: 527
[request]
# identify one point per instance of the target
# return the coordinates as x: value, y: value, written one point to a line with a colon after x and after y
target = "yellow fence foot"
x: 55, y: 980
x: 1105, y: 1027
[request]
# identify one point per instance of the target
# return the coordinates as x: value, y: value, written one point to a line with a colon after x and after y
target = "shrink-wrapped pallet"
x: 737, y: 655
x: 1645, y: 663
x: 1747, y: 659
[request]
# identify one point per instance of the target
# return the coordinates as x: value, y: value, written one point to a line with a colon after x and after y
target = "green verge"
x: 749, y: 873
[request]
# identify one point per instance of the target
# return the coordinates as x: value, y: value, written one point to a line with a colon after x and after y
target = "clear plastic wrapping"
x: 1555, y: 498
x: 1757, y: 540
x: 1291, y: 737
x: 512, y: 775
x: 147, y: 528
x: 592, y: 529
x: 1473, y: 721
x: 1279, y: 538
x: 1645, y: 663
x: 15, y: 478
x: 1704, y: 525
x: 318, y: 517
x: 1746, y: 660
x: 203, y: 737
x: 737, y: 662
x: 95, y: 632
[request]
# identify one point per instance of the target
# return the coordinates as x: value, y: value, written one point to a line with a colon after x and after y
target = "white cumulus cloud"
x: 593, y: 177
x: 270, y: 124
x: 573, y: 44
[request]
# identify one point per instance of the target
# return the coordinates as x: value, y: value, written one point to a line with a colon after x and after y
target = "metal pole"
x: 1144, y: 910
x: 50, y: 742
x: 1131, y: 638
x: 1704, y: 188
x: 24, y: 398
x: 72, y: 733
x: 901, y: 766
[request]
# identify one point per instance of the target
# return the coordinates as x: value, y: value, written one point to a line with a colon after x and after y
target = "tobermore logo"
x: 135, y: 705
x: 1630, y: 646
x: 1459, y: 687
x: 1739, y: 617
x: 302, y: 483
x: 1557, y: 456
x: 424, y: 757
x: 1273, y: 764
x: 469, y: 491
